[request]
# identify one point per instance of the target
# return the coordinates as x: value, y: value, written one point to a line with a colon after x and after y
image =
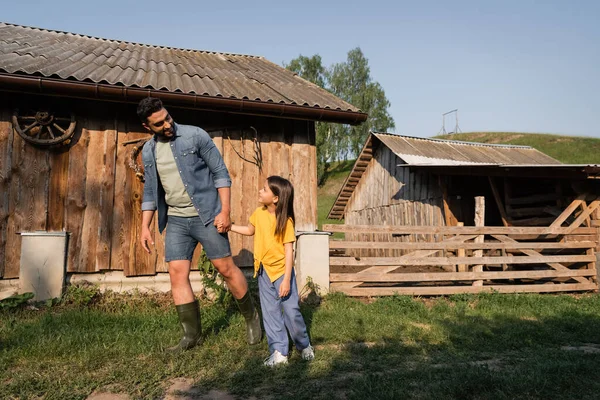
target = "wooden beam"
x: 496, y: 194
x: 446, y: 290
x: 418, y: 254
x: 455, y: 230
x: 340, y: 244
x: 456, y: 276
x: 532, y: 253
x: 537, y: 198
x: 449, y: 217
x: 584, y: 215
x: 568, y: 211
x: 479, y: 221
x: 531, y: 211
x: 397, y: 261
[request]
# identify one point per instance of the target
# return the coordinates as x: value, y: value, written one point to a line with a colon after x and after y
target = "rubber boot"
x: 189, y: 316
x: 250, y: 313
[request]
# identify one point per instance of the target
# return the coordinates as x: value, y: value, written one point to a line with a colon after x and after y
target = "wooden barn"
x: 70, y: 139
x: 414, y: 204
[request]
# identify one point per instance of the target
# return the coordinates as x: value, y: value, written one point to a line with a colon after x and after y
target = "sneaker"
x: 275, y: 359
x: 308, y: 353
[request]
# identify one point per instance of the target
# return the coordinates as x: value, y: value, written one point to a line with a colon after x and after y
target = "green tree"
x: 311, y: 69
x: 351, y: 81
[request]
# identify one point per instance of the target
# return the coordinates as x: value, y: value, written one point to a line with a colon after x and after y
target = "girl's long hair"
x: 283, y: 189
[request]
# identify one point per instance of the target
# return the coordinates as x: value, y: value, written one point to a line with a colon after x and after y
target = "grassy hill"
x: 566, y: 149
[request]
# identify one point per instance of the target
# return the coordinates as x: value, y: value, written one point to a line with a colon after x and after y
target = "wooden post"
x: 479, y: 221
x: 461, y: 253
x: 498, y: 199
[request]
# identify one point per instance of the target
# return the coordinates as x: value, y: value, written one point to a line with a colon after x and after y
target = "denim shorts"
x: 183, y: 235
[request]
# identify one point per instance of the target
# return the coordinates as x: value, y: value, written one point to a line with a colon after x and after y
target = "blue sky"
x: 530, y: 66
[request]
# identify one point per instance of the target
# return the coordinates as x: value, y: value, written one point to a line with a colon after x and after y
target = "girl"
x: 273, y: 225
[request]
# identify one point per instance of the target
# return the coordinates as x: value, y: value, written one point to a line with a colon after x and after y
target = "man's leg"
x: 236, y: 282
x: 179, y: 248
x: 217, y: 248
x: 234, y: 277
x: 181, y: 288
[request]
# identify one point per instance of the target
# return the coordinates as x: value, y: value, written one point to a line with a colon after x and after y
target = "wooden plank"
x: 418, y: 254
x: 447, y: 290
x: 537, y: 198
x: 498, y: 199
x: 536, y: 221
x: 529, y: 211
x: 6, y: 150
x: 138, y: 261
x: 235, y: 165
x: 584, y: 215
x: 568, y: 211
x: 59, y: 170
x: 532, y: 253
x: 341, y: 244
x: 92, y: 222
x: 455, y: 230
x: 460, y: 252
x: 121, y: 227
x: 456, y: 276
x: 399, y: 261
x: 304, y: 177
x: 75, y: 202
x: 250, y: 185
x: 479, y: 221
x: 28, y: 199
x: 104, y: 246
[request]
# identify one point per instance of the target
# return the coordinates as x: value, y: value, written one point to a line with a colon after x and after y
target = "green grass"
x: 489, y: 346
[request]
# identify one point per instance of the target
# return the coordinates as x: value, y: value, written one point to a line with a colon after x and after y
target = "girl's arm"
x: 243, y: 230
x: 284, y: 288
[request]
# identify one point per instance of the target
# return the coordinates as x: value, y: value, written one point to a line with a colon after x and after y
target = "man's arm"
x: 146, y: 234
x: 223, y: 219
x: 148, y: 208
x: 213, y: 159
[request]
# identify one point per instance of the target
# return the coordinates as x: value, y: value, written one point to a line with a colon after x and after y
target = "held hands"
x: 146, y: 239
x: 284, y: 288
x: 223, y: 222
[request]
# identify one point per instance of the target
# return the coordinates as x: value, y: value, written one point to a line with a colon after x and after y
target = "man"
x: 188, y: 183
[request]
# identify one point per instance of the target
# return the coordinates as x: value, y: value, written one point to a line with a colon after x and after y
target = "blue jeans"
x: 281, y: 313
x: 183, y: 234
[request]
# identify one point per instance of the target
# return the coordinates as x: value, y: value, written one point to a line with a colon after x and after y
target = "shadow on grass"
x: 475, y: 357
x: 477, y: 347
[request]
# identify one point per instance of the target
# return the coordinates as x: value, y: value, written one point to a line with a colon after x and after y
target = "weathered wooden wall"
x: 90, y: 191
x: 389, y: 194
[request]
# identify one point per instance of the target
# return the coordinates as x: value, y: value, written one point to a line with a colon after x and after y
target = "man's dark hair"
x: 147, y: 107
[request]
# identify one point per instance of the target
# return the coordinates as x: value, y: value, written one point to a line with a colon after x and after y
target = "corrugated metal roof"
x: 423, y: 151
x: 34, y: 51
x: 416, y: 151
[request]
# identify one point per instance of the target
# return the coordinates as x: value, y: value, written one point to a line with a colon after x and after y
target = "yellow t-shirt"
x: 268, y: 249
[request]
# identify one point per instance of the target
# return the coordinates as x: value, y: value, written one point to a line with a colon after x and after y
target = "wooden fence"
x: 467, y: 260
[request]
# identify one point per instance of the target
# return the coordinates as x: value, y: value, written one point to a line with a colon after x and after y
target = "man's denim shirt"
x: 201, y: 168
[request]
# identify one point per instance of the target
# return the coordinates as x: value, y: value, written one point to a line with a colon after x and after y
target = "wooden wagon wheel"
x: 44, y: 128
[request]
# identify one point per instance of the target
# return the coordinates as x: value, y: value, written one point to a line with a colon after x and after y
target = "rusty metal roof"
x: 69, y: 56
x: 423, y: 152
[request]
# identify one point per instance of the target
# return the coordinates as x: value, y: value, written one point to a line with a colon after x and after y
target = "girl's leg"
x: 294, y: 321
x: 272, y: 316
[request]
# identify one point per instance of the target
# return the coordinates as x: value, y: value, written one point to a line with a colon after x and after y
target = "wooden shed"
x: 415, y: 202
x: 70, y: 138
